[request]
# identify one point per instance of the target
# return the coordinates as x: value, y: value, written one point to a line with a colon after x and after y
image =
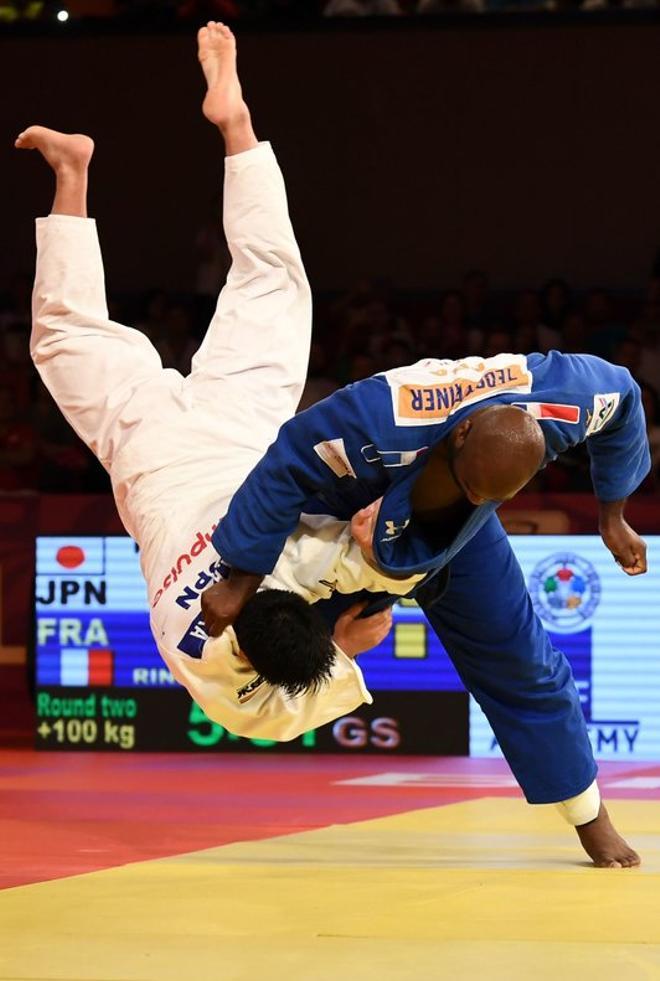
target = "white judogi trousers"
x: 177, y: 448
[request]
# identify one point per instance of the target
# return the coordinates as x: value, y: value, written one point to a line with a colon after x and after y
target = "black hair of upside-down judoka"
x: 286, y: 640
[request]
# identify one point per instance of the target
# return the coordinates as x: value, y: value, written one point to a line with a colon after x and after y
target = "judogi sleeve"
x: 609, y: 417
x: 617, y: 441
x: 314, y: 450
x: 321, y: 558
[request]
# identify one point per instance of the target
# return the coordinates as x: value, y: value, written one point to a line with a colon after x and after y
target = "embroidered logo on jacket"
x: 604, y: 408
x: 333, y: 453
x: 433, y: 390
x: 245, y: 693
x: 393, y: 530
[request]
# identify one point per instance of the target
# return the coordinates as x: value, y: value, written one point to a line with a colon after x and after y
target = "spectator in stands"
x: 153, y: 319
x: 444, y: 6
x: 650, y: 314
x: 479, y: 312
x: 569, y: 473
x: 361, y: 366
x: 428, y: 338
x: 453, y: 330
x: 362, y: 320
x: 499, y: 341
x: 15, y: 307
x: 274, y: 8
x: 64, y: 462
x: 205, y: 10
x: 15, y: 323
x: 376, y: 324
x: 530, y: 333
x: 556, y: 302
x: 604, y: 333
x: 647, y: 331
x: 177, y: 344
x: 573, y: 334
x: 16, y: 344
x: 363, y: 8
x: 653, y: 289
x: 397, y: 354
x: 319, y: 384
x: 362, y: 291
x: 18, y: 447
x: 371, y: 327
x: 16, y: 371
x: 524, y: 339
x: 649, y: 364
x: 651, y: 404
x: 628, y: 352
x: 213, y: 259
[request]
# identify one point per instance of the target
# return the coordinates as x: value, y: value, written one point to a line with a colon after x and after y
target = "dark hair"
x: 286, y: 640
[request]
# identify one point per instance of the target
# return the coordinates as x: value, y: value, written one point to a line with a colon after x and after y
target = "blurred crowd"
x: 367, y: 329
x: 12, y: 11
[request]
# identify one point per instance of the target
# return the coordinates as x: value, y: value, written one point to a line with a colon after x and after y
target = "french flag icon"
x: 70, y: 556
x: 89, y: 667
x: 76, y: 667
x: 551, y: 410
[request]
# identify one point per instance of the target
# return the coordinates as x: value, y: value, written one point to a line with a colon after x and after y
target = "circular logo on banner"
x: 565, y: 591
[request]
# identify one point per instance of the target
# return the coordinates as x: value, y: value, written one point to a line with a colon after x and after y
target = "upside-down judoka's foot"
x: 604, y: 845
x: 61, y: 150
x: 224, y: 104
x: 69, y: 155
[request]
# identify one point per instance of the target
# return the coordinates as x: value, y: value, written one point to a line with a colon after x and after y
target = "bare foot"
x: 63, y: 151
x: 224, y: 104
x: 604, y: 845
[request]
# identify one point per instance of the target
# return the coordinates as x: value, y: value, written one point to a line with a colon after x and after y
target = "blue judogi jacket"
x: 372, y: 438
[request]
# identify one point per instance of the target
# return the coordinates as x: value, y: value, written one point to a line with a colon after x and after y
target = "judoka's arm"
x: 354, y: 636
x: 222, y: 602
x: 308, y: 455
x: 620, y: 459
x: 326, y: 555
x: 628, y: 549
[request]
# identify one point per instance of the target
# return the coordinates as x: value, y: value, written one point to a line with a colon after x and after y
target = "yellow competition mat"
x: 488, y: 889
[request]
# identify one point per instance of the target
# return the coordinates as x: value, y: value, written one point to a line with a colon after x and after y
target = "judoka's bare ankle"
x: 238, y: 135
x: 70, y: 191
x: 72, y: 170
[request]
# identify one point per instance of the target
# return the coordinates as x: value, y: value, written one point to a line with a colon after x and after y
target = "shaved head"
x: 495, y: 452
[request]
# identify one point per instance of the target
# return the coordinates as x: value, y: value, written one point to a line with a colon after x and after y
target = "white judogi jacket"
x: 320, y: 558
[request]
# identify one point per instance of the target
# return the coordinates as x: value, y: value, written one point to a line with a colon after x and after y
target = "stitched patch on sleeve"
x: 604, y: 408
x: 334, y: 455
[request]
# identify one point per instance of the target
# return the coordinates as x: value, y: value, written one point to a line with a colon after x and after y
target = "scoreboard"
x: 100, y: 682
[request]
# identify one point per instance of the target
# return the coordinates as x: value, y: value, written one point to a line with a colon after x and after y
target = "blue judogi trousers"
x: 483, y: 615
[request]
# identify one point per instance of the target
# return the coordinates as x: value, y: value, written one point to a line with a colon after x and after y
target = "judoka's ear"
x: 460, y: 433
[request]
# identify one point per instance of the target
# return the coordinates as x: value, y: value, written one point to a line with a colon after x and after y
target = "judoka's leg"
x: 257, y: 345
x: 91, y: 365
x: 486, y: 622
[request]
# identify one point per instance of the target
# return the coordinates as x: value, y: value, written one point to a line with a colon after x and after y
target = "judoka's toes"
x: 60, y: 150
